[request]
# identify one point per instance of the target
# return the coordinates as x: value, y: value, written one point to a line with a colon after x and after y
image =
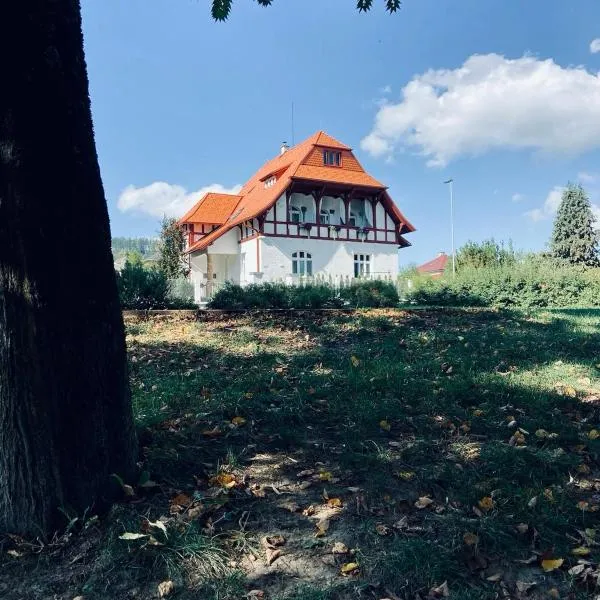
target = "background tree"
x: 65, y: 409
x: 66, y: 421
x: 222, y: 8
x: 172, y: 261
x: 575, y: 238
x: 489, y: 253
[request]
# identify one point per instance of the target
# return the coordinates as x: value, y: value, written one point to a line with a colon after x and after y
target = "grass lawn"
x: 380, y: 454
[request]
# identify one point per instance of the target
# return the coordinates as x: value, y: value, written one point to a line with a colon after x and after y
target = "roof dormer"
x: 332, y: 158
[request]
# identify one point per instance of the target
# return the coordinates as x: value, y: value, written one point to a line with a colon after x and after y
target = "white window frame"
x: 302, y: 263
x: 362, y: 265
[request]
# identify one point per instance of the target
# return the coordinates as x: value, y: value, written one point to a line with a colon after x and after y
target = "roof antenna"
x: 293, y: 140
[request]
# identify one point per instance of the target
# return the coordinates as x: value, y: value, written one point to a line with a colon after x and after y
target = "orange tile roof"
x: 212, y: 209
x: 255, y: 198
x: 437, y: 265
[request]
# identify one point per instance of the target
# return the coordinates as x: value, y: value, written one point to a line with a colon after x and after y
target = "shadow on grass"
x: 431, y: 446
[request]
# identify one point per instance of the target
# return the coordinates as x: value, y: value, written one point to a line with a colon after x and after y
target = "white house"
x: 312, y: 211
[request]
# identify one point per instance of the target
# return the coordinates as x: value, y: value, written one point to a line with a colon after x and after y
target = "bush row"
x: 142, y: 288
x: 526, y: 285
x: 362, y: 294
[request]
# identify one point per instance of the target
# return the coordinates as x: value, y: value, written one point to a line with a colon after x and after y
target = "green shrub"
x: 370, y: 294
x: 313, y: 295
x: 535, y: 281
x: 142, y: 288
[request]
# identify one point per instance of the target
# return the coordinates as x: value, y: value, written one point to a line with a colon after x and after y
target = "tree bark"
x: 65, y: 409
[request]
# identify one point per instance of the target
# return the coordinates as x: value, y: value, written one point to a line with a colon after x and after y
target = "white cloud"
x: 587, y: 177
x: 491, y: 102
x: 595, y: 46
x: 549, y: 207
x: 161, y: 198
x: 518, y: 197
x: 387, y: 89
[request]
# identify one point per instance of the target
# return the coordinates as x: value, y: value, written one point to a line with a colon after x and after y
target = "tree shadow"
x: 387, y: 435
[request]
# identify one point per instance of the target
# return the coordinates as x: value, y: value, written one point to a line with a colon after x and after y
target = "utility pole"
x: 450, y: 182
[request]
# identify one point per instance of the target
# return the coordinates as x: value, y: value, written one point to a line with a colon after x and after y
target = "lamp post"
x: 450, y: 182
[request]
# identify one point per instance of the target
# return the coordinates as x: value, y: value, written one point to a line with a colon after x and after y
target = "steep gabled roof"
x: 436, y: 265
x: 295, y: 164
x: 212, y: 209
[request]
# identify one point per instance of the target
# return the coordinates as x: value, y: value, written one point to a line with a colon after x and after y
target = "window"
x: 352, y: 220
x: 332, y: 158
x: 325, y: 214
x: 362, y: 265
x: 294, y: 214
x: 301, y: 263
x: 270, y: 182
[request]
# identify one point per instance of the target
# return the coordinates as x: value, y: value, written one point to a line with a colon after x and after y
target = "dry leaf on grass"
x: 349, y: 568
x: 322, y: 528
x: 580, y: 551
x: 385, y: 425
x: 594, y: 434
x: 355, y: 361
x: 334, y: 503
x: 486, y: 503
x: 423, y: 502
x: 551, y: 564
x: 470, y: 539
x: 339, y: 548
x: 239, y: 421
x: 255, y: 594
x: 441, y: 591
x: 272, y: 554
x: 273, y: 541
x: 165, y: 588
x: 382, y: 529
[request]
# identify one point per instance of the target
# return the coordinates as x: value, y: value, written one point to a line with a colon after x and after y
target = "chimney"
x: 284, y: 148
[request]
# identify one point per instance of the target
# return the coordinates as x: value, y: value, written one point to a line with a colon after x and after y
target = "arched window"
x: 294, y: 214
x: 325, y: 217
x: 301, y: 263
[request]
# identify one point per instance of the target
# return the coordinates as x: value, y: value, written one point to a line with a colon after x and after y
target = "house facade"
x: 312, y: 211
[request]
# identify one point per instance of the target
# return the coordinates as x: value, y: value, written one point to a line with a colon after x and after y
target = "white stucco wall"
x: 329, y: 258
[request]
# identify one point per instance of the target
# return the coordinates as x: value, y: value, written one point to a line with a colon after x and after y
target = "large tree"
x: 575, y: 237
x: 172, y: 261
x: 65, y: 411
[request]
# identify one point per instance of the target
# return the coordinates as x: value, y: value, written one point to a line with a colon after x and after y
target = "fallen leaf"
x: 401, y: 524
x: 385, y: 425
x: 580, y: 551
x: 470, y: 539
x: 541, y: 433
x: 594, y: 434
x: 348, y: 568
x: 523, y: 586
x: 355, y: 361
x: 583, y: 469
x: 551, y: 564
x: 273, y: 541
x: 306, y: 473
x: 334, y: 503
x: 486, y: 503
x: 522, y: 528
x: 325, y: 476
x: 583, y: 505
x: 495, y: 577
x: 576, y: 570
x: 441, y: 591
x: 128, y: 535
x: 554, y: 593
x: 180, y: 501
x: 14, y: 553
x: 517, y: 439
x: 255, y: 594
x: 226, y: 480
x: 272, y: 555
x: 322, y: 527
x: 215, y: 432
x: 165, y: 588
x: 406, y: 475
x: 382, y: 529
x: 532, y: 503
x: 239, y: 421
x: 339, y: 548
x: 478, y: 413
x: 158, y: 525
x: 423, y: 502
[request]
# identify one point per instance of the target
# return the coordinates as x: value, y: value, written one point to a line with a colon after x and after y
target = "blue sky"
x: 501, y: 95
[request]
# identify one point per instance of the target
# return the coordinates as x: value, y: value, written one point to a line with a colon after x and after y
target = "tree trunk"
x: 65, y: 409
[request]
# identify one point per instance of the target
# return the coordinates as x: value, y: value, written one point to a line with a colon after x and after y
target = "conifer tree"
x: 575, y: 237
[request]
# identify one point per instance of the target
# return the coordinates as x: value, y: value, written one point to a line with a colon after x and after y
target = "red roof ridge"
x: 436, y: 264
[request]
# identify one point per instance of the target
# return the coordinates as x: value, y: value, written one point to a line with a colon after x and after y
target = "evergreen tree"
x: 575, y: 237
x: 172, y: 260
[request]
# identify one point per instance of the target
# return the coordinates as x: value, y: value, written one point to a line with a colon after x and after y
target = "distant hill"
x: 146, y: 247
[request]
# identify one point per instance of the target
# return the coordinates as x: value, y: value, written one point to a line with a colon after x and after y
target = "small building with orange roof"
x: 312, y: 211
x: 434, y: 267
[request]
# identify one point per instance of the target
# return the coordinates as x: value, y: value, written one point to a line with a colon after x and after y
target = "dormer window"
x: 270, y: 182
x: 332, y: 158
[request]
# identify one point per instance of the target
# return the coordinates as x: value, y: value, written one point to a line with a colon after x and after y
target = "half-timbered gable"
x: 311, y: 211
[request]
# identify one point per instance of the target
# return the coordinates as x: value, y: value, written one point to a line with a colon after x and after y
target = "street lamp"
x: 451, y: 183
